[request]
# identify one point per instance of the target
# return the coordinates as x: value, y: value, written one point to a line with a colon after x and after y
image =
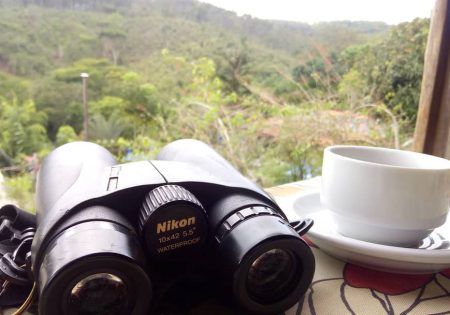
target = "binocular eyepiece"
x: 111, y: 238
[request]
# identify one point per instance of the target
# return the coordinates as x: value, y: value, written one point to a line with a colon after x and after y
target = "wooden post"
x: 85, y: 77
x: 433, y: 117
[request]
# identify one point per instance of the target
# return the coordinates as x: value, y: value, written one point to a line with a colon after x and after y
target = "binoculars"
x: 112, y: 239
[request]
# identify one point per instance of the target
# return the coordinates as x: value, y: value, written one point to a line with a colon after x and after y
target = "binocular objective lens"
x: 100, y: 294
x: 272, y: 275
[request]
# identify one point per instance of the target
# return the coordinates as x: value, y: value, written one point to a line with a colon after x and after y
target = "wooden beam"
x: 433, y: 117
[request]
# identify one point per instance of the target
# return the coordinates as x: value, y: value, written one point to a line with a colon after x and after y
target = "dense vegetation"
x: 268, y: 95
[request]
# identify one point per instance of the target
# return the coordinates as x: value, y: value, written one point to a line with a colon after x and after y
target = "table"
x: 343, y: 288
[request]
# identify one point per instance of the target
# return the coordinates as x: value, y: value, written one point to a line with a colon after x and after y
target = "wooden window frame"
x: 432, y: 133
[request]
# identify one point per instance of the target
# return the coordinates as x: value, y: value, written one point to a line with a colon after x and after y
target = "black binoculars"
x: 112, y: 239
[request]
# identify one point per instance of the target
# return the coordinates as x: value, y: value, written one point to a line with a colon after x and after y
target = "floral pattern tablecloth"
x: 343, y: 288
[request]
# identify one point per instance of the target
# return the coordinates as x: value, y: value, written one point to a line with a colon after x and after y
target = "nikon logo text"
x: 174, y: 224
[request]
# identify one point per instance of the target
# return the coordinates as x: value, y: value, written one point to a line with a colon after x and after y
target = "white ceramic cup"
x: 385, y: 196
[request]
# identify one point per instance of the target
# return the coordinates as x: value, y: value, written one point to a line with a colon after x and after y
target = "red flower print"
x: 446, y: 273
x: 384, y: 282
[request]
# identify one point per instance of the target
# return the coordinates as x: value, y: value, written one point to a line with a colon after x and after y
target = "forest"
x: 268, y: 95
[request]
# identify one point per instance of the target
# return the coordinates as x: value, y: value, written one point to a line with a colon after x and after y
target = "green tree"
x: 141, y: 98
x: 107, y: 106
x: 22, y: 128
x: 391, y: 68
x: 113, y: 37
x: 11, y: 86
x: 61, y: 102
x: 234, y: 65
x: 352, y: 88
x: 65, y: 134
x: 101, y: 128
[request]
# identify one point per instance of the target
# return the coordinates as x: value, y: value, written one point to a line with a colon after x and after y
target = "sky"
x: 313, y: 11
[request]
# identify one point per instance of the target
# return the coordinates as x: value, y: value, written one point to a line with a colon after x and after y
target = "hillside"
x: 268, y: 95
x: 35, y: 39
x: 294, y: 37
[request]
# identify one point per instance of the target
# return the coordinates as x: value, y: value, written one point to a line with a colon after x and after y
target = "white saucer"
x: 431, y: 255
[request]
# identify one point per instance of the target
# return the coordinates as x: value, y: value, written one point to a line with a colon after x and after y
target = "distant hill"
x: 289, y: 36
x: 39, y: 35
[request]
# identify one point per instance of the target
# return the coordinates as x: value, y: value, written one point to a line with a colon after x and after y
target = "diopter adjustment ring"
x: 162, y: 196
x: 240, y: 216
x: 172, y: 223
